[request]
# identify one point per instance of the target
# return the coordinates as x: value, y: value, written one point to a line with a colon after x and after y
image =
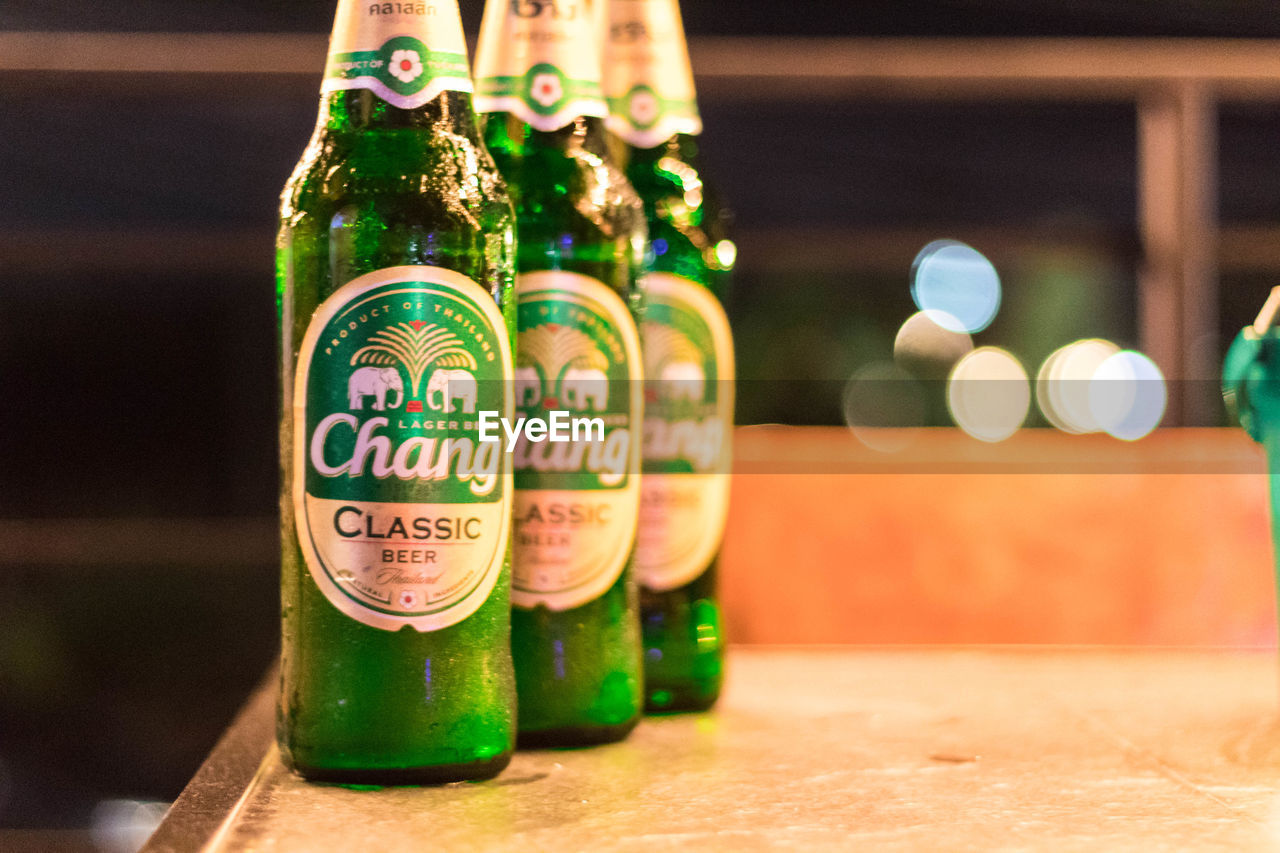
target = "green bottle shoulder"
x: 564, y: 183
x: 590, y: 205
x: 437, y: 180
x: 687, y: 220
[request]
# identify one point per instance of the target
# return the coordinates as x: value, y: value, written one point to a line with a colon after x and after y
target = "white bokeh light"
x: 883, y: 404
x: 1047, y: 388
x: 1063, y: 383
x: 1128, y: 395
x: 989, y: 394
x: 120, y: 826
x: 922, y: 341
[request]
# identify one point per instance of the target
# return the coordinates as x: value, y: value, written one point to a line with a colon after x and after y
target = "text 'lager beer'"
x: 688, y: 352
x: 582, y: 238
x: 397, y: 305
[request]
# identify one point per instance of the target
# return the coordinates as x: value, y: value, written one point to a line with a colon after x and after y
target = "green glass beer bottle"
x: 396, y: 296
x: 688, y: 352
x: 582, y: 243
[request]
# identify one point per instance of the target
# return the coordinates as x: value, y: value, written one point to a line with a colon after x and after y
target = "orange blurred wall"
x: 1175, y: 550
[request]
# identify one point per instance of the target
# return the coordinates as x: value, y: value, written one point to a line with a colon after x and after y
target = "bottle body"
x: 582, y: 238
x: 689, y: 360
x: 575, y: 638
x: 690, y: 372
x: 395, y: 290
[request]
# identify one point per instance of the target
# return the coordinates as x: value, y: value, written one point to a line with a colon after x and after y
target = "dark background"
x: 137, y: 322
x: 1245, y: 18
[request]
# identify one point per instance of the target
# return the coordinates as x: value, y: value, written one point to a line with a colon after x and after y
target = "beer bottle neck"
x: 359, y: 110
x: 538, y: 61
x: 396, y: 65
x: 509, y: 134
x: 667, y: 176
x: 682, y: 147
x: 647, y: 76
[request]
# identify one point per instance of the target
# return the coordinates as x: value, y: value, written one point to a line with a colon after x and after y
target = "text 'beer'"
x: 688, y: 352
x: 395, y: 265
x: 582, y: 236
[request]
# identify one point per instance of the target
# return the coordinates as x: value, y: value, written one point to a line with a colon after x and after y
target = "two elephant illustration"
x: 375, y: 382
x: 580, y: 389
x: 683, y: 380
x: 451, y: 387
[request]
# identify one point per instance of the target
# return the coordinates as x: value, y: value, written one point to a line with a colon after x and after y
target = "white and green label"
x: 689, y: 372
x: 538, y: 60
x: 648, y: 80
x: 577, y: 502
x: 403, y: 515
x: 406, y: 53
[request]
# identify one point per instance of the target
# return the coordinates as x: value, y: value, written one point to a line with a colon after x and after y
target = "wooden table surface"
x: 918, y: 748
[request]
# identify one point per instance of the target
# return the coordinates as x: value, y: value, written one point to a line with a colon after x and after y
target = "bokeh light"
x: 726, y: 252
x: 881, y: 402
x: 989, y: 394
x: 123, y: 826
x: 1047, y: 388
x: 927, y: 349
x: 1064, y: 380
x: 956, y: 285
x: 1128, y: 395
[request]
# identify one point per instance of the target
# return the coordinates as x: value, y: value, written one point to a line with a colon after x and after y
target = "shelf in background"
x: 1045, y: 538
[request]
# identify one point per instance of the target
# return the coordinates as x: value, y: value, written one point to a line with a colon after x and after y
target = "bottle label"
x: 407, y: 53
x: 577, y: 502
x: 538, y: 60
x: 402, y: 513
x: 647, y: 77
x: 688, y: 427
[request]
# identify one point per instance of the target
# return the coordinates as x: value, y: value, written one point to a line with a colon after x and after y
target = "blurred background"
x: 1127, y: 190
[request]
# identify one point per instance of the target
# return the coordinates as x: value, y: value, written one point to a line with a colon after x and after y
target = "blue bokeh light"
x: 1128, y: 395
x: 956, y: 286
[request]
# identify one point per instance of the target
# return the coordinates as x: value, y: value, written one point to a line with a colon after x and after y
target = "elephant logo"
x: 572, y: 366
x: 414, y: 346
x: 684, y: 380
x: 375, y: 382
x: 453, y: 386
x: 673, y: 364
x: 528, y: 387
x: 583, y: 389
